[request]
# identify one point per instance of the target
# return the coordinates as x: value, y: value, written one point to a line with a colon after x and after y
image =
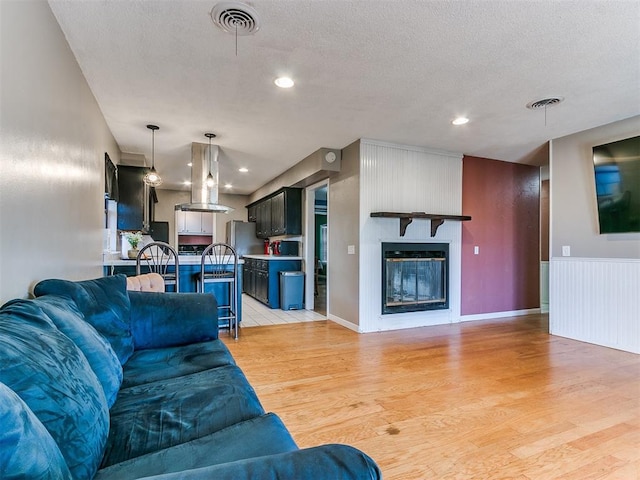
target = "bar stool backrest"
x: 157, y: 257
x: 219, y: 262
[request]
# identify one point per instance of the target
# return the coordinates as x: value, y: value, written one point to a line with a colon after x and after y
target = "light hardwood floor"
x: 497, y: 399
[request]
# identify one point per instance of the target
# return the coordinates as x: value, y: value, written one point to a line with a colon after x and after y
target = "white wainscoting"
x: 399, y: 178
x: 596, y: 301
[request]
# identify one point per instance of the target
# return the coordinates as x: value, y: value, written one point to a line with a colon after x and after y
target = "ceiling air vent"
x: 545, y: 102
x: 236, y: 18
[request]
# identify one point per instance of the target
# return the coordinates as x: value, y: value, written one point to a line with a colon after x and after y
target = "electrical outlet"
x: 566, y: 251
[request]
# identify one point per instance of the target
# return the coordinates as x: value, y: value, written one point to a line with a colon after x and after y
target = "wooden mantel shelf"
x: 407, y: 218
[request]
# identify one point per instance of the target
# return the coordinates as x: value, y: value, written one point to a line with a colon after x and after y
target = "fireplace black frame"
x: 427, y: 250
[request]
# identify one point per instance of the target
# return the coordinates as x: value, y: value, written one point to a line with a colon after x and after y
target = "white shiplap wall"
x: 399, y: 178
x: 596, y: 300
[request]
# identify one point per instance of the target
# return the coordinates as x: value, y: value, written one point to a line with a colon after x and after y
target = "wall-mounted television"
x: 617, y: 176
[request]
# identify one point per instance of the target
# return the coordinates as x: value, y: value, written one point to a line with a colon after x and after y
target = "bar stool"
x: 219, y: 265
x: 157, y: 257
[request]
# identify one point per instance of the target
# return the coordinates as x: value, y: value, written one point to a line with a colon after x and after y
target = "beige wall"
x: 237, y: 202
x: 168, y: 199
x: 52, y: 143
x: 574, y: 216
x: 344, y: 212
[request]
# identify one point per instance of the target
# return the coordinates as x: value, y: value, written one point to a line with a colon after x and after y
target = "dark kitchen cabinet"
x: 134, y: 199
x: 263, y: 219
x: 278, y: 214
x: 251, y: 213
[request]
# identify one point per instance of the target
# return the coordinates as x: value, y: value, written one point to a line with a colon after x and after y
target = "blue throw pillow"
x: 26, y: 448
x: 52, y: 376
x: 104, y: 303
x: 105, y: 364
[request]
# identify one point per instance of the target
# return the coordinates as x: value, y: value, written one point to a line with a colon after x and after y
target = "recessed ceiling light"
x: 228, y: 185
x: 283, y: 82
x: 189, y: 164
x: 460, y: 121
x: 243, y: 170
x: 186, y: 182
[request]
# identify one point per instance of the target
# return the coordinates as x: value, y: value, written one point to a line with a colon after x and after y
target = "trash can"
x: 291, y: 290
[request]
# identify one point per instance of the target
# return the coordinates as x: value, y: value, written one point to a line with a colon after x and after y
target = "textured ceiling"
x: 391, y: 70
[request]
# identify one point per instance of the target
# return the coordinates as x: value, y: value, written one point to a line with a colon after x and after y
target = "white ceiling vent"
x: 236, y: 18
x: 545, y: 102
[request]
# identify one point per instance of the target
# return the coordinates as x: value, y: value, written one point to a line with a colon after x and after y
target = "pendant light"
x: 210, y: 182
x: 152, y: 178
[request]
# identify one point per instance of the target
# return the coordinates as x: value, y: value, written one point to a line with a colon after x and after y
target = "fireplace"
x: 415, y: 277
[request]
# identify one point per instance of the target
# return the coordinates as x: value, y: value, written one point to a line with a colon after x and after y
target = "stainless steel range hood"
x: 204, y: 198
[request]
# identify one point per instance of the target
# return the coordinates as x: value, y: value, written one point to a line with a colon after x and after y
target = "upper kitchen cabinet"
x: 263, y: 219
x: 279, y: 213
x: 194, y: 223
x: 134, y: 199
x: 252, y: 215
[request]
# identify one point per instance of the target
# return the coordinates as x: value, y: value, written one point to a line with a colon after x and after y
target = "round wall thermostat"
x: 330, y: 157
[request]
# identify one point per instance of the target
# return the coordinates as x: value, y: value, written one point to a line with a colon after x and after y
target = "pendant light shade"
x: 152, y: 178
x: 210, y: 181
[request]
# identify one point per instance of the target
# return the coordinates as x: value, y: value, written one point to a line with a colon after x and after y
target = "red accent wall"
x: 503, y: 200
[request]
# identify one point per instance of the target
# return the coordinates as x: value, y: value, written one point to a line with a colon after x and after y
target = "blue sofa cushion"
x: 326, y: 462
x: 26, y: 448
x: 147, y: 366
x: 105, y: 364
x: 52, y: 376
x: 170, y: 319
x: 104, y: 303
x: 264, y: 435
x: 169, y: 412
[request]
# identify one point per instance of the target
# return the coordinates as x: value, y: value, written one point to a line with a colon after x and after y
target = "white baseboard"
x: 488, y: 316
x: 344, y: 323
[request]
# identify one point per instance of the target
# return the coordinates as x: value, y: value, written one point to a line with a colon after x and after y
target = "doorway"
x: 317, y: 252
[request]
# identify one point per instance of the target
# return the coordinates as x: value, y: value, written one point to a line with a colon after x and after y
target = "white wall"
x: 593, y: 294
x: 52, y: 143
x: 398, y: 178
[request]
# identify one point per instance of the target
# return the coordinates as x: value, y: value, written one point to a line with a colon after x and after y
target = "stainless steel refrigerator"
x: 242, y: 236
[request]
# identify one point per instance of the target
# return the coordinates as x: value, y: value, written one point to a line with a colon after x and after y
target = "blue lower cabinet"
x: 263, y: 278
x: 189, y: 283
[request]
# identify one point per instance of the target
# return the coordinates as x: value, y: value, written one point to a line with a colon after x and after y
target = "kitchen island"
x: 261, y: 276
x: 189, y: 266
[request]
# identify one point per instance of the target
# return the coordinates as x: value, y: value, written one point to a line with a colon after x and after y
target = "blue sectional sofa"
x: 97, y: 382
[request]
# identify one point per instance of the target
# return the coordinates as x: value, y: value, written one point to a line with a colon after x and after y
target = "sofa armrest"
x: 170, y: 319
x: 328, y: 462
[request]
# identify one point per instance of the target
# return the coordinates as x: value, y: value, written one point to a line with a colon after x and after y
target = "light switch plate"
x: 351, y: 249
x: 476, y: 250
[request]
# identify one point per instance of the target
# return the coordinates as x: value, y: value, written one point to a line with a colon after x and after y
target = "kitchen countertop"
x: 273, y: 257
x: 114, y: 260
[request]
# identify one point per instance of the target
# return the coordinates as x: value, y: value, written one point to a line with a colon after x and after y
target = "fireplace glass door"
x: 414, y: 279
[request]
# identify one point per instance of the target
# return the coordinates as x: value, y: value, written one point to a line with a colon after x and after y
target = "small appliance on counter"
x: 289, y: 247
x: 282, y: 248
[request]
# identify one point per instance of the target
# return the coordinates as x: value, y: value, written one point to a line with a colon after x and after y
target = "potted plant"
x: 134, y: 238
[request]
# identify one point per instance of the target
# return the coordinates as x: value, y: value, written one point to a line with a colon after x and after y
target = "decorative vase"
x: 133, y: 253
